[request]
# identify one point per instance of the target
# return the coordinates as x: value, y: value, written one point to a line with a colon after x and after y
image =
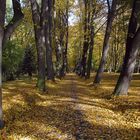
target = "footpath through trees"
x: 72, y: 109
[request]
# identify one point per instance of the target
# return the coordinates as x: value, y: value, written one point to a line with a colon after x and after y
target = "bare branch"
x: 108, y: 3
x: 100, y: 27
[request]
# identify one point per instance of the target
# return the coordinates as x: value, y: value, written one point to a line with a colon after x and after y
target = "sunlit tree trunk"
x: 111, y: 15
x: 128, y: 67
x: 57, y: 41
x: 132, y: 47
x: 41, y: 61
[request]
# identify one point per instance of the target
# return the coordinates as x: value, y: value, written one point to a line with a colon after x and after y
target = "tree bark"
x: 18, y: 16
x: 85, y: 43
x: 39, y: 25
x: 89, y: 62
x: 41, y: 62
x: 65, y: 50
x: 5, y: 33
x: 128, y: 67
x: 111, y: 15
x: 2, y: 20
x: 1, y: 39
x: 132, y: 47
x: 48, y: 36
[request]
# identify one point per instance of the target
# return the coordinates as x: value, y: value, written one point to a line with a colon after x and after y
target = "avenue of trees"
x: 38, y: 38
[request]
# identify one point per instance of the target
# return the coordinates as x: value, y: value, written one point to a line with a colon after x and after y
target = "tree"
x: 12, y: 57
x: 48, y: 36
x: 110, y: 18
x: 5, y: 33
x: 91, y: 43
x: 39, y: 20
x: 132, y: 47
x: 29, y: 63
x: 86, y: 37
x: 64, y: 68
x: 61, y: 36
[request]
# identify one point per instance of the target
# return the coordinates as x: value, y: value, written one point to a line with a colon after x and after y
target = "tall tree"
x: 39, y: 20
x: 91, y: 43
x: 48, y: 36
x: 110, y: 18
x: 5, y: 33
x: 132, y: 47
x: 2, y: 20
x: 64, y: 68
x: 86, y: 37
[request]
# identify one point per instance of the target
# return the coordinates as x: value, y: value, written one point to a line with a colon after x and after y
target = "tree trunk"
x: 39, y: 26
x: 128, y: 67
x: 2, y: 20
x: 65, y: 50
x: 85, y: 43
x: 89, y: 62
x: 138, y: 67
x: 110, y: 19
x: 48, y: 36
x: 41, y: 63
x: 5, y: 33
x: 1, y: 112
x: 67, y: 35
x: 18, y: 16
x: 132, y: 47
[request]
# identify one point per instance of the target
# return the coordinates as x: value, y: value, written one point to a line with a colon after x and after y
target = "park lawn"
x: 32, y: 115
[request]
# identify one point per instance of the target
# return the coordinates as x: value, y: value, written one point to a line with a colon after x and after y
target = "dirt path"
x: 78, y: 112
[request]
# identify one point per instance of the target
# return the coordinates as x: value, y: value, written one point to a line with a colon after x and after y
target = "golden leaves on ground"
x: 70, y: 110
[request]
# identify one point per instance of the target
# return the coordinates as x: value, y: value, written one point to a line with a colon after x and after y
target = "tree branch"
x: 18, y: 16
x: 100, y: 28
x: 109, y: 7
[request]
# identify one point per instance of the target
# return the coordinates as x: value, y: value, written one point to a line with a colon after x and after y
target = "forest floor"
x: 72, y: 109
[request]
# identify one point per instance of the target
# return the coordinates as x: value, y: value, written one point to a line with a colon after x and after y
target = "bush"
x: 12, y: 57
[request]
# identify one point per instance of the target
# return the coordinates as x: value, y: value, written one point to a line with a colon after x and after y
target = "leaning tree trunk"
x: 111, y: 15
x: 48, y: 35
x: 128, y: 67
x: 132, y: 47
